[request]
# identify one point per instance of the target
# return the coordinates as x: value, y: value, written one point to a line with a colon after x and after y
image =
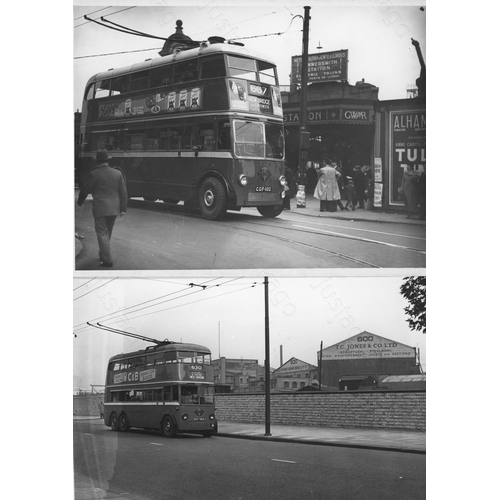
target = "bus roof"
x: 173, y: 346
x: 216, y: 48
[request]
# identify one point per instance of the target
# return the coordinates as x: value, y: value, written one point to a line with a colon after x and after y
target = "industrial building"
x: 293, y: 375
x: 363, y: 361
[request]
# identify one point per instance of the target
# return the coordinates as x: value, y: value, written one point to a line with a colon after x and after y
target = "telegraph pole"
x: 266, y: 363
x: 304, y: 134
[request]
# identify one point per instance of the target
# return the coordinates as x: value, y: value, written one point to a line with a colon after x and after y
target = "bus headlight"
x: 184, y: 417
x: 211, y: 417
x: 282, y: 180
x: 243, y: 180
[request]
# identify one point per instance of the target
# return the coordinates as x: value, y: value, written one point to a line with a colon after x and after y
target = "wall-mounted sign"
x: 321, y: 67
x: 377, y: 194
x: 407, y: 147
x: 377, y: 170
x: 367, y: 346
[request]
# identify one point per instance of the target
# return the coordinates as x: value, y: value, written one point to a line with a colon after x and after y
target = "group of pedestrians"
x: 332, y: 187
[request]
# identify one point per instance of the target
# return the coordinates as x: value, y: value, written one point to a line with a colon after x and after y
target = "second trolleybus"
x: 167, y: 387
x: 202, y: 125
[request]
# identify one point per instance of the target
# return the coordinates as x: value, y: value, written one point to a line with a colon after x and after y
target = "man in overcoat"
x: 109, y: 194
x: 327, y: 189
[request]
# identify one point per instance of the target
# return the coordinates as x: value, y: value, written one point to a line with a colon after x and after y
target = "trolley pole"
x: 266, y: 363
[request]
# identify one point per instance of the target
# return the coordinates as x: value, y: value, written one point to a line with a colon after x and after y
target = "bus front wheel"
x: 123, y: 422
x: 114, y: 422
x: 168, y: 427
x: 212, y: 199
x: 270, y: 211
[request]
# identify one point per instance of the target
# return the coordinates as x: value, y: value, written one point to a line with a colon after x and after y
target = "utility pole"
x: 320, y: 364
x: 304, y: 134
x: 266, y: 362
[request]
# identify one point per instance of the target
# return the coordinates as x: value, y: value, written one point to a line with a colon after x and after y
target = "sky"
x: 228, y: 316
x: 376, y: 33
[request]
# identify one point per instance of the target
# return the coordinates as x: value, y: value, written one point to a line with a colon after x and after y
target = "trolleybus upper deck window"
x: 213, y: 67
x: 160, y: 77
x: 139, y: 81
x: 267, y: 73
x: 242, y: 68
x: 186, y: 71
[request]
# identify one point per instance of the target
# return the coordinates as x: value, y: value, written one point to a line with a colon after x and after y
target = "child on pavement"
x: 350, y: 194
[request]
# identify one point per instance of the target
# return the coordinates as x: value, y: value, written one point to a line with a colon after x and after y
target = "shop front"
x: 400, y: 141
x: 341, y: 131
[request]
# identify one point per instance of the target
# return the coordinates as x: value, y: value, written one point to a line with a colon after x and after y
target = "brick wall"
x: 87, y: 406
x: 370, y: 410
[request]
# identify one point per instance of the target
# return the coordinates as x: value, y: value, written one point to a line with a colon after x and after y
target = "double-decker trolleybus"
x: 202, y: 125
x: 168, y: 386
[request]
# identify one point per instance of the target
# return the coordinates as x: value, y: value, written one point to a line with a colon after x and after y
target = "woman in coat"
x: 327, y: 189
x: 409, y: 191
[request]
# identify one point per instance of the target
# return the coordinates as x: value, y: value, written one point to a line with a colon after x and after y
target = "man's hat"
x: 102, y: 155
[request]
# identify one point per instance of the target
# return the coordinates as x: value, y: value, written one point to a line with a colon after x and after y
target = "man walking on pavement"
x: 109, y: 193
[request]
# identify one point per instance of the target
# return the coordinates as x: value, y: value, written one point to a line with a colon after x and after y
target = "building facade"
x: 294, y: 375
x: 241, y: 375
x: 364, y: 360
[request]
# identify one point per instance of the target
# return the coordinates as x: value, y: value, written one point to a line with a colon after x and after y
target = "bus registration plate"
x: 264, y: 189
x: 198, y: 419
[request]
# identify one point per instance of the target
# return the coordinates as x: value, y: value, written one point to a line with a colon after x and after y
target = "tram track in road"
x: 295, y: 226
x: 180, y: 210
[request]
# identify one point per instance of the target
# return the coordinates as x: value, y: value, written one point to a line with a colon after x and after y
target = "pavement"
x: 373, y: 439
x: 311, y: 209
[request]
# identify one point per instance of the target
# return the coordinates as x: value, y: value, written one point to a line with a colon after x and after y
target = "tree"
x: 413, y: 290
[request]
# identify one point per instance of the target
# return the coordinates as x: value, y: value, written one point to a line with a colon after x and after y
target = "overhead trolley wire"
x: 193, y: 302
x: 111, y: 14
x: 90, y: 13
x: 121, y: 311
x: 94, y: 289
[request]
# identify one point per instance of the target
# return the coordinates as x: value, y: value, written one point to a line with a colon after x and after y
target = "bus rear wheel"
x: 212, y: 199
x: 123, y: 422
x: 113, y: 421
x: 270, y: 211
x: 168, y: 427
